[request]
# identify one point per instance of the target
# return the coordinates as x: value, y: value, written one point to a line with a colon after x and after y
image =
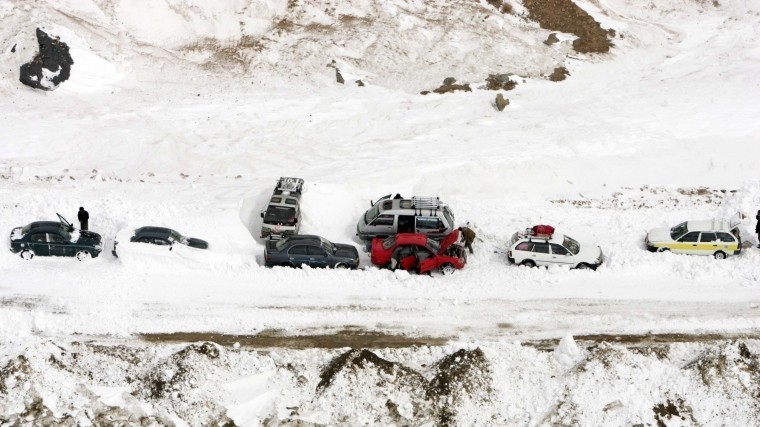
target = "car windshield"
x: 176, y: 237
x: 449, y: 216
x: 280, y: 215
x: 389, y: 242
x: 372, y: 213
x: 678, y: 231
x: 433, y: 245
x: 571, y: 245
x: 328, y: 246
x: 281, y: 244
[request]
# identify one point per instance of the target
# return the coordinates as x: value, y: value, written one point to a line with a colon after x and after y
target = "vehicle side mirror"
x: 295, y: 221
x: 262, y: 214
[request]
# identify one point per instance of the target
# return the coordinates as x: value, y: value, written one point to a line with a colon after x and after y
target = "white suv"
x: 531, y: 249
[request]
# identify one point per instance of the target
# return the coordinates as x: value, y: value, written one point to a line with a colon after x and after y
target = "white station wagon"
x: 718, y: 238
x: 531, y: 249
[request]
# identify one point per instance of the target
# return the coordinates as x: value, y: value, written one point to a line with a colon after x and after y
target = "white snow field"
x: 183, y: 113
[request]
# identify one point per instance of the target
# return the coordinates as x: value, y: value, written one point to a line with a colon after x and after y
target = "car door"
x: 427, y: 260
x: 59, y: 246
x: 541, y: 254
x: 318, y: 257
x: 383, y: 225
x: 688, y: 243
x: 708, y: 243
x: 298, y: 255
x: 561, y: 256
x: 38, y: 244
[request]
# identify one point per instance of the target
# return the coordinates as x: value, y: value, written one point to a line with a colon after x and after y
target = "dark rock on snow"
x: 500, y: 82
x: 501, y: 102
x: 339, y: 77
x: 559, y: 74
x: 552, y: 39
x: 448, y: 81
x: 51, y: 66
x: 13, y: 49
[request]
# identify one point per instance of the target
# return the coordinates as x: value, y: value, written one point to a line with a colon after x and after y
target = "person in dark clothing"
x: 757, y: 228
x: 84, y: 217
x: 397, y: 196
x: 468, y: 236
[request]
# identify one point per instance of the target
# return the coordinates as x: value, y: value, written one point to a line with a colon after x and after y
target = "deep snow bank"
x: 460, y: 384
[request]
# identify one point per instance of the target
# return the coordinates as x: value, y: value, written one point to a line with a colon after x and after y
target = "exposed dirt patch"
x: 277, y: 339
x: 654, y: 197
x: 567, y: 17
x: 559, y: 74
x: 638, y: 342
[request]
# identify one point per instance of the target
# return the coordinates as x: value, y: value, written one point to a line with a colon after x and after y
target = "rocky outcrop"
x: 559, y: 74
x: 449, y: 85
x: 567, y: 17
x: 500, y: 82
x: 50, y: 67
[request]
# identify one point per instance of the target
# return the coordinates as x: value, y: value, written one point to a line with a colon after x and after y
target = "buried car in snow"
x: 314, y: 251
x: 282, y: 215
x: 419, y: 252
x: 718, y: 238
x: 51, y: 238
x: 163, y: 236
x: 541, y: 246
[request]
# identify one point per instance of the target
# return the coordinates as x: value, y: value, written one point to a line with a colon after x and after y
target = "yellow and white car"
x: 719, y: 238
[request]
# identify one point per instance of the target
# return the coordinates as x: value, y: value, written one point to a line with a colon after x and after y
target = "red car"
x: 413, y: 251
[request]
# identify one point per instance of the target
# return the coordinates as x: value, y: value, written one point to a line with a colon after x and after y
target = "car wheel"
x: 720, y: 255
x: 448, y: 269
x: 663, y: 250
x: 583, y: 266
x: 528, y: 263
x: 27, y: 254
x: 83, y: 255
x: 341, y: 266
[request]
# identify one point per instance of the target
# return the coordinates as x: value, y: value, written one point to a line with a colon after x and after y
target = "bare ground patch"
x: 277, y: 339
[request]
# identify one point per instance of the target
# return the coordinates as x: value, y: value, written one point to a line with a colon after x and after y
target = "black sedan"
x: 51, y: 238
x: 314, y: 251
x: 165, y: 237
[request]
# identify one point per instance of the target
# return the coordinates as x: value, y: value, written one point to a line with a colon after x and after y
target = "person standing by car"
x: 84, y: 218
x: 468, y: 236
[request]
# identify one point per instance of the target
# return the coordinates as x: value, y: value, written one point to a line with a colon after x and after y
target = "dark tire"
x: 720, y: 255
x: 341, y: 266
x: 528, y: 263
x: 27, y: 254
x: 448, y: 269
x: 83, y: 255
x: 663, y: 250
x: 583, y: 266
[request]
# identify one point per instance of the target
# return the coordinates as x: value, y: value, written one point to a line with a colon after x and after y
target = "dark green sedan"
x: 51, y: 238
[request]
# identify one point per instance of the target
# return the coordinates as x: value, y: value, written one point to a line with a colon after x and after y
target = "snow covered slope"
x: 184, y: 114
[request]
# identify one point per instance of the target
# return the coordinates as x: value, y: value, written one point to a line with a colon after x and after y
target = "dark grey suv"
x: 314, y: 251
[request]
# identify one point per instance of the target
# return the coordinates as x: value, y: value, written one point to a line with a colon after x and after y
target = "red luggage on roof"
x: 543, y: 230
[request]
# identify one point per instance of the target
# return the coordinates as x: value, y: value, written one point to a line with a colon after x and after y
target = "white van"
x: 425, y: 215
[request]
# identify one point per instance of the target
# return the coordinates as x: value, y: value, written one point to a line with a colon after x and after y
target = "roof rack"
x: 426, y: 202
x: 289, y: 184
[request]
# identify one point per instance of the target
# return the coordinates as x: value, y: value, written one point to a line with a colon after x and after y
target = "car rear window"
x: 725, y: 237
x: 524, y: 246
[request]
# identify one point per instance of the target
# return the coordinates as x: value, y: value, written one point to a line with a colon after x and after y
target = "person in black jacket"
x: 84, y: 217
x: 757, y: 228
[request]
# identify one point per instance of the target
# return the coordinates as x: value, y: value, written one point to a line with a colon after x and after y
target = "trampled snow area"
x: 184, y: 114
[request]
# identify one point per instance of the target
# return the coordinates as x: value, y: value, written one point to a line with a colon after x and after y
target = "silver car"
x: 282, y: 216
x: 386, y: 217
